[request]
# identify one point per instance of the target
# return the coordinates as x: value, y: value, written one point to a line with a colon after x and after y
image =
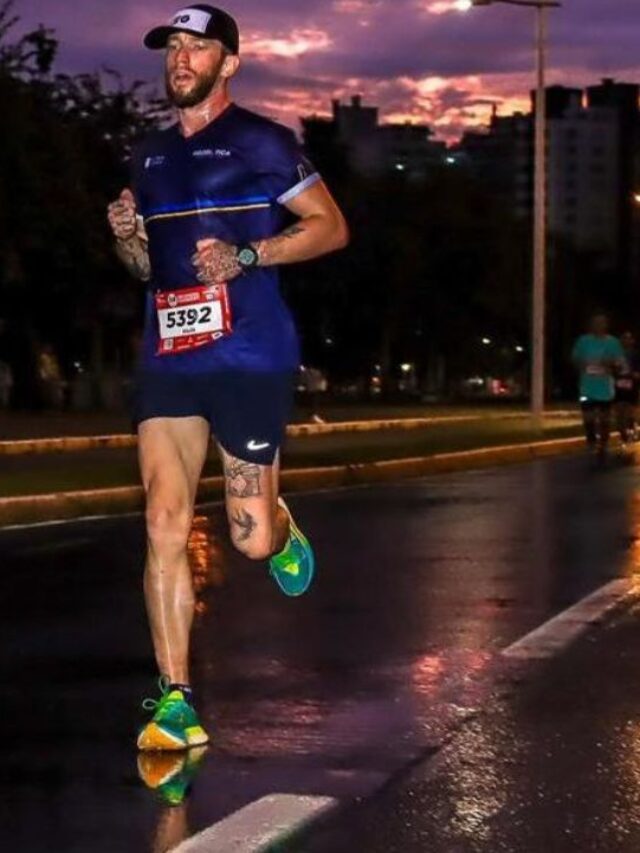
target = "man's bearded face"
x: 190, y: 81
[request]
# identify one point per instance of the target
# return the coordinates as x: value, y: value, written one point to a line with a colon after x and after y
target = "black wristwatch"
x: 247, y: 256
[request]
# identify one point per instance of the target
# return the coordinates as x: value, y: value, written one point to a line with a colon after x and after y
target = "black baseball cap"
x: 198, y: 20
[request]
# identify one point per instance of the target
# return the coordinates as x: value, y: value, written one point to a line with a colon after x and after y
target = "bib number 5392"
x: 192, y: 317
x: 188, y: 318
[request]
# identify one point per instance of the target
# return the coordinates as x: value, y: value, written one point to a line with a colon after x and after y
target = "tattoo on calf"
x: 243, y: 478
x: 245, y: 522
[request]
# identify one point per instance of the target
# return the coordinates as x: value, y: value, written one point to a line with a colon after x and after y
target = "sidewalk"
x: 552, y: 765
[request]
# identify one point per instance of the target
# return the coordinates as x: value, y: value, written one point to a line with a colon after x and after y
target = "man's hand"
x: 122, y: 216
x: 216, y: 262
x: 132, y: 244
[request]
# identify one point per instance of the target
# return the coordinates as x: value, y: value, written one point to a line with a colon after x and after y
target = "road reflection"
x: 170, y: 775
x: 206, y: 558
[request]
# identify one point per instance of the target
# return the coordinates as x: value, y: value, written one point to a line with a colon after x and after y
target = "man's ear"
x: 230, y: 66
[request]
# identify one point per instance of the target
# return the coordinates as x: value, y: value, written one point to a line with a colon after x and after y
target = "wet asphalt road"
x: 420, y: 586
x: 550, y: 767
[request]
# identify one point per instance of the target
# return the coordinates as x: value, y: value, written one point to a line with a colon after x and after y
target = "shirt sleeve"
x: 576, y: 354
x: 283, y: 168
x: 617, y: 350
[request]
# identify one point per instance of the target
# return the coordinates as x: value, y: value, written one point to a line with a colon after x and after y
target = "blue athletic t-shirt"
x: 230, y: 181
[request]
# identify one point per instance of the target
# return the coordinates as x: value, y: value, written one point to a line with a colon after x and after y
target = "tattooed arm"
x: 132, y: 245
x: 320, y: 229
x: 134, y: 254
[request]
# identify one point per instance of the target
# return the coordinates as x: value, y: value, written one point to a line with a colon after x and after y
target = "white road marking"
x: 256, y: 827
x: 557, y: 633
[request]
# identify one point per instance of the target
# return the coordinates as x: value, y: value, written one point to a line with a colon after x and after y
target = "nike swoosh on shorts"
x: 253, y: 445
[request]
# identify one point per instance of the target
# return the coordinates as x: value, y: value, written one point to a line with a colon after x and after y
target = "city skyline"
x: 418, y: 60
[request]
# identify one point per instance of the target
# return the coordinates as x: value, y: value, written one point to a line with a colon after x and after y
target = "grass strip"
x: 60, y: 472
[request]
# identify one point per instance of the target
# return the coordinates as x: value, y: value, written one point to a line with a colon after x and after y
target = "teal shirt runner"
x: 597, y: 357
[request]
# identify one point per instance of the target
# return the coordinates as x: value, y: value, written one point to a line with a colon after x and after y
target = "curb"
x: 33, y: 509
x: 561, y: 631
x: 74, y: 444
x: 261, y: 826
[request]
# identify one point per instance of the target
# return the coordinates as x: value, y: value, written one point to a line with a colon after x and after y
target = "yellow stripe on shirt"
x: 196, y: 211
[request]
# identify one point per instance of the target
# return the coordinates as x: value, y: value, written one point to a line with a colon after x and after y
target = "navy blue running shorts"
x: 247, y: 412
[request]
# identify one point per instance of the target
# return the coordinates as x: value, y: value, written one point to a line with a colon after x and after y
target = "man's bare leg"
x: 258, y: 526
x: 172, y: 452
x: 261, y: 528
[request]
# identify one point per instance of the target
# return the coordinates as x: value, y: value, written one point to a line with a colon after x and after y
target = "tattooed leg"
x: 245, y: 523
x: 242, y: 478
x: 251, y: 499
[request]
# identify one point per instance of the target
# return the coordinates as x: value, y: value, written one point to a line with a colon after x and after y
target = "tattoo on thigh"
x: 245, y: 522
x: 243, y: 478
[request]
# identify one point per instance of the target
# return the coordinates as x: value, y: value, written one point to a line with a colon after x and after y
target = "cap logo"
x: 196, y: 19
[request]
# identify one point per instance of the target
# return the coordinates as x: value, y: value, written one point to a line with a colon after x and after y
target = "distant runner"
x: 204, y: 226
x: 597, y: 356
x: 627, y: 390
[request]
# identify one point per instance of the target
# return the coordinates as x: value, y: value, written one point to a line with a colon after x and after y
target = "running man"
x: 597, y: 356
x: 204, y: 227
x: 627, y: 390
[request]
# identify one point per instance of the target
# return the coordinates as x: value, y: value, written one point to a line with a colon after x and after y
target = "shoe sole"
x: 196, y: 737
x: 154, y: 738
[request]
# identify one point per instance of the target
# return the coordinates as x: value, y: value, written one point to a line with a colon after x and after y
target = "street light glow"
x: 464, y: 5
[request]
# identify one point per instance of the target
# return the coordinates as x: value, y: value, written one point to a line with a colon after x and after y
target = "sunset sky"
x: 418, y: 60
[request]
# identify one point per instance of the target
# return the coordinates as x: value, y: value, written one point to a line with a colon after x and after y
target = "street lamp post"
x: 538, y: 301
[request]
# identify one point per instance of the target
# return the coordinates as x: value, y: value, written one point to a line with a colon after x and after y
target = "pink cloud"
x: 442, y: 7
x: 298, y: 43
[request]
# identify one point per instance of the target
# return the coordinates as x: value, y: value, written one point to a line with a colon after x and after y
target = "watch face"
x: 247, y: 257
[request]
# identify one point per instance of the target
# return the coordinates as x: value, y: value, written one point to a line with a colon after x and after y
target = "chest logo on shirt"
x: 212, y: 152
x: 154, y: 162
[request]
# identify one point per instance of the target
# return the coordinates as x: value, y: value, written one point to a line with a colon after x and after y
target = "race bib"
x: 192, y: 317
x: 596, y: 370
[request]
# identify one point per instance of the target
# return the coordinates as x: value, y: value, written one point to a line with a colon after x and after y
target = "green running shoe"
x: 174, y: 725
x: 170, y: 775
x: 294, y: 567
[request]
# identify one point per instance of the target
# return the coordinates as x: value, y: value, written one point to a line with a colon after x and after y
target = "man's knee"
x: 168, y: 523
x: 256, y: 546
